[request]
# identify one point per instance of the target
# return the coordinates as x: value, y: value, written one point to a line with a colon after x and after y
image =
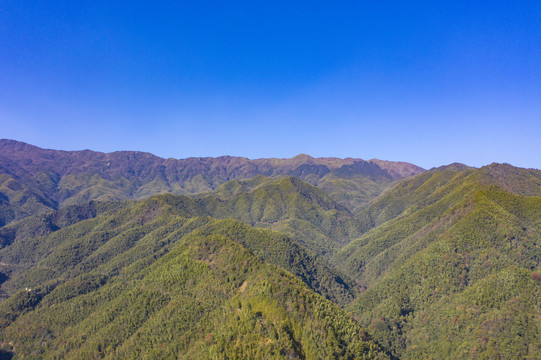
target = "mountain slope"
x: 450, y: 234
x: 123, y: 230
x: 207, y: 297
x: 288, y: 205
x: 132, y: 279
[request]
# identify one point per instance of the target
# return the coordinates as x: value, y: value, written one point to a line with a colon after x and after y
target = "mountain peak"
x: 303, y: 157
x: 453, y: 166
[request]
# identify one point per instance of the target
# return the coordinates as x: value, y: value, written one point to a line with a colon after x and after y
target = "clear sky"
x: 428, y: 82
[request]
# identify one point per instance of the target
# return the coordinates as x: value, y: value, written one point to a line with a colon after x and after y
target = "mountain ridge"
x: 22, y: 149
x: 35, y: 179
x: 442, y: 242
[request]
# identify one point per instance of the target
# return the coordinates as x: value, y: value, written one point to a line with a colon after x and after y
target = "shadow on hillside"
x: 5, y: 355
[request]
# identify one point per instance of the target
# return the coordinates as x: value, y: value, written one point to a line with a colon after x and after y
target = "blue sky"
x: 428, y: 82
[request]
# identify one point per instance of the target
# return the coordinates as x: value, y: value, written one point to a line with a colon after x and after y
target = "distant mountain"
x: 37, y: 180
x: 450, y: 261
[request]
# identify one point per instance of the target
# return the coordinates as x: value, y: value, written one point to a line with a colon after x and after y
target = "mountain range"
x: 39, y: 180
x: 128, y: 255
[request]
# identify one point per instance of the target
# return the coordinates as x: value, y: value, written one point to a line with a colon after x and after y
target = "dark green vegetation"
x: 451, y: 264
x: 294, y: 258
x: 154, y: 279
x: 288, y: 205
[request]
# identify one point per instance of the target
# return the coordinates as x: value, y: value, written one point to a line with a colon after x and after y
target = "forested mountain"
x: 45, y: 235
x: 35, y: 180
x: 158, y: 278
x: 288, y: 205
x: 452, y: 268
x: 127, y: 255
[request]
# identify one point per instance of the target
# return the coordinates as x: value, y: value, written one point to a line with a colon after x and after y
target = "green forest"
x: 300, y: 258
